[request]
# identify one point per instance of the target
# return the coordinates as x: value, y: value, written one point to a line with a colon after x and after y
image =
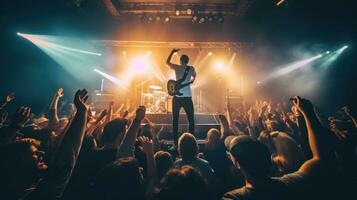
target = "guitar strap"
x: 184, y: 75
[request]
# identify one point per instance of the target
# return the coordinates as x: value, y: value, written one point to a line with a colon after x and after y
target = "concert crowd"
x: 262, y: 150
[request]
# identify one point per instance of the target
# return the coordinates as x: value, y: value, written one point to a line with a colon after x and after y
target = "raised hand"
x: 9, y: 97
x: 303, y: 105
x: 125, y: 114
x: 80, y: 99
x: 59, y: 92
x: 103, y: 114
x: 346, y: 110
x: 146, y: 143
x: 175, y: 50
x: 22, y: 116
x: 3, y: 117
x: 140, y: 113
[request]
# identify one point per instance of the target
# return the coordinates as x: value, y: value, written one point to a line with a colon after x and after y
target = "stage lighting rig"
x: 214, y: 11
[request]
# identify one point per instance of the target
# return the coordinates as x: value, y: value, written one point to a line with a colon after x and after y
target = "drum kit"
x: 156, y: 100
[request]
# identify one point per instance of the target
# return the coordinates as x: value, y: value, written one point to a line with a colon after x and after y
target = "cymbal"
x: 155, y: 87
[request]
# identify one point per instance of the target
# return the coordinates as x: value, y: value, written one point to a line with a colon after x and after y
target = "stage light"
x: 150, y: 19
x: 18, y: 33
x: 327, y: 52
x: 167, y: 19
x: 220, y: 18
x: 339, y: 51
x: 158, y: 18
x: 210, y: 18
x: 149, y: 53
x: 210, y: 53
x: 202, y: 20
x: 219, y: 66
x: 333, y: 57
x: 189, y: 11
x: 139, y: 65
x: 177, y: 12
x: 123, y: 52
x: 258, y: 82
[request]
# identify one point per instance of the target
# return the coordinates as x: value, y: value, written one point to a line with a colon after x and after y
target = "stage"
x: 203, y: 122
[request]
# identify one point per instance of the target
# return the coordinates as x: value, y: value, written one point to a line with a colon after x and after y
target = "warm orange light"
x: 219, y: 66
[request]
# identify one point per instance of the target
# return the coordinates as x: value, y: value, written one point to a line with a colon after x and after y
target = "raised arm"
x: 6, y: 100
x: 148, y: 149
x: 56, y: 179
x: 229, y: 115
x: 168, y: 61
x: 9, y: 133
x: 318, y: 140
x: 225, y: 132
x: 127, y: 147
x: 53, y: 115
x: 350, y: 115
x: 110, y: 112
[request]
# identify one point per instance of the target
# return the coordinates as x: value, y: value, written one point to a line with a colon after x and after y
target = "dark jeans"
x: 187, y: 104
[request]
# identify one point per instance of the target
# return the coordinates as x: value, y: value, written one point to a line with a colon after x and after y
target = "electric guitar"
x: 173, y: 87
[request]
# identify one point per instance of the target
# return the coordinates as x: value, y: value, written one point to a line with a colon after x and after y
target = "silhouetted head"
x: 213, y: 138
x: 251, y: 157
x: 184, y: 59
x: 114, y: 131
x: 121, y: 179
x: 21, y: 157
x: 163, y: 162
x: 187, y: 146
x: 184, y: 183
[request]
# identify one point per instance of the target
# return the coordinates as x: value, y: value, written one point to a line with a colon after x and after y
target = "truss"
x: 182, y: 45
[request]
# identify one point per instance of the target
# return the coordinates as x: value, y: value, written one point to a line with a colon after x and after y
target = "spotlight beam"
x: 77, y: 50
x: 292, y: 67
x: 37, y: 40
x: 113, y: 79
x: 231, y: 61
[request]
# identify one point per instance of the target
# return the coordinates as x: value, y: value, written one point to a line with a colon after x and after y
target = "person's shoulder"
x: 178, y: 162
x: 292, y: 178
x: 202, y: 161
x: 236, y: 194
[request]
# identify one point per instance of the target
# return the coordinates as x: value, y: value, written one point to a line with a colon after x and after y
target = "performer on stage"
x: 187, y: 74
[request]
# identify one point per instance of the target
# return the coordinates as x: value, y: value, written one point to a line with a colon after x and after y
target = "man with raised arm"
x: 253, y: 160
x: 188, y: 74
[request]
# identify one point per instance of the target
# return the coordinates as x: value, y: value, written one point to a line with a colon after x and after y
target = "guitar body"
x: 173, y: 88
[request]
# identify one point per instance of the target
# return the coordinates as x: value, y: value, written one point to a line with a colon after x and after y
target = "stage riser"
x: 203, y: 122
x: 200, y: 131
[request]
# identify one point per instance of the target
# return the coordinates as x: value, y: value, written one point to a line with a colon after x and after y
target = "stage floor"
x: 203, y: 122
